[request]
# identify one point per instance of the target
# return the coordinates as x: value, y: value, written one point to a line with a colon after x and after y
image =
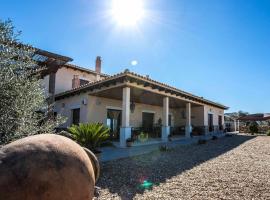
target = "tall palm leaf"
x: 89, y: 135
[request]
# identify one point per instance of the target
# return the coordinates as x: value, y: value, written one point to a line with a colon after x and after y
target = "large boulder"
x: 47, y: 167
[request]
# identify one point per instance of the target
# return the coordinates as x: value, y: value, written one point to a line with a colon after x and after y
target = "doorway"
x: 114, y: 123
x: 148, y: 122
x: 210, y: 122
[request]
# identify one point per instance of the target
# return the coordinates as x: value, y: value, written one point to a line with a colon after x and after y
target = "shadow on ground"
x: 125, y: 176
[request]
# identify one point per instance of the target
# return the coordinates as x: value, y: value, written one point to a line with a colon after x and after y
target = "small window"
x: 76, y: 116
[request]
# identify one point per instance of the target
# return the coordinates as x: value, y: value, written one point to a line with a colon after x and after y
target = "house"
x: 129, y: 103
x: 232, y: 123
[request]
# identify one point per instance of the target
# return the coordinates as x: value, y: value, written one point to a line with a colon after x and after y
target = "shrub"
x: 253, y: 128
x: 89, y: 135
x: 164, y: 148
x: 143, y: 137
x: 268, y: 133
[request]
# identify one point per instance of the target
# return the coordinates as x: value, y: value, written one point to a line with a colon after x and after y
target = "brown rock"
x: 46, y: 167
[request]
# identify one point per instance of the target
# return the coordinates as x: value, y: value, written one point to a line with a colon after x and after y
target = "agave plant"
x: 89, y: 135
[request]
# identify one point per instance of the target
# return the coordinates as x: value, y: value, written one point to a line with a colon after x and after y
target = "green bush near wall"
x: 253, y: 128
x: 268, y: 133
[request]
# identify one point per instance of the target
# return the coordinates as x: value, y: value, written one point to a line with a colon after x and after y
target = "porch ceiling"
x: 138, y: 95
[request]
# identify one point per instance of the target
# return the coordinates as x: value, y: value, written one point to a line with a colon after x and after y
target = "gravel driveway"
x: 235, y: 167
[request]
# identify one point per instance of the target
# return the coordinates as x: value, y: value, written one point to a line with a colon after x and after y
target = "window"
x: 170, y: 120
x: 76, y: 116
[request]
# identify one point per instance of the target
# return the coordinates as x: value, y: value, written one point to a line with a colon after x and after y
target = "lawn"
x: 235, y: 167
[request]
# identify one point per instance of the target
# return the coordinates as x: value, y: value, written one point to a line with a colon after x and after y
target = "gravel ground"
x: 235, y: 167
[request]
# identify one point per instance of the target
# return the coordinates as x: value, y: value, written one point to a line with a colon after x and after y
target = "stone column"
x: 125, y: 130
x: 165, y: 119
x: 188, y: 128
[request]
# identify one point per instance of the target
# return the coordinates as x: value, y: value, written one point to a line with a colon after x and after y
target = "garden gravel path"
x: 235, y: 167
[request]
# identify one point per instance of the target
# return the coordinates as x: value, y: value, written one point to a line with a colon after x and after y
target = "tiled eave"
x: 83, y: 69
x: 129, y: 77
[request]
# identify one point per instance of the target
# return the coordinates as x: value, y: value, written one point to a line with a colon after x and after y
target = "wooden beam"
x: 162, y: 93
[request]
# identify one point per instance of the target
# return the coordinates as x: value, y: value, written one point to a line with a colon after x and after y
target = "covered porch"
x: 149, y: 114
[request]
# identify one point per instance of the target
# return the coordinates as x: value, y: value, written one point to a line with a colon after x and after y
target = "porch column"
x: 188, y: 128
x: 165, y: 119
x: 125, y: 130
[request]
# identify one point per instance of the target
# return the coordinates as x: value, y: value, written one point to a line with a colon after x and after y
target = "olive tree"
x: 22, y: 101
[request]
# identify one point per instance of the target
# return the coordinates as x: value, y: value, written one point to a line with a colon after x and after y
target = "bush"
x: 253, y: 128
x: 268, y: 133
x: 89, y: 135
x: 164, y: 148
x: 143, y: 137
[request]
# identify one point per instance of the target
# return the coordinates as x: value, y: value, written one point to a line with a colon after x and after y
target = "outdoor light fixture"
x: 132, y: 107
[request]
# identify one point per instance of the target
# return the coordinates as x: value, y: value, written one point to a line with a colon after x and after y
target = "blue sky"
x: 218, y: 49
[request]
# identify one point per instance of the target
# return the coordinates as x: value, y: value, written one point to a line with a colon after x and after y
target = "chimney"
x: 98, y: 64
x: 75, y: 81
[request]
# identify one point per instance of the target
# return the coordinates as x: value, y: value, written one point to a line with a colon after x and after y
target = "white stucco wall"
x: 216, y: 112
x: 64, y: 78
x: 96, y: 111
x: 64, y: 107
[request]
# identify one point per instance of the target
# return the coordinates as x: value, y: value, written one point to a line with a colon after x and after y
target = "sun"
x: 127, y: 12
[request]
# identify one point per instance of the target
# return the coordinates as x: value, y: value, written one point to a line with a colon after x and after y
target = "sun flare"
x: 127, y: 12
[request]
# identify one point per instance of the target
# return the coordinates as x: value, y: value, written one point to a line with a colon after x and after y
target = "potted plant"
x: 129, y: 142
x: 143, y: 137
x: 90, y: 135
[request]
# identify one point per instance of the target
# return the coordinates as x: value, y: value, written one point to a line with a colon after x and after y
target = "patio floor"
x: 115, y: 152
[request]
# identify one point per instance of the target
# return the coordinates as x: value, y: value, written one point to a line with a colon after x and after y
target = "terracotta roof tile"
x: 135, y: 75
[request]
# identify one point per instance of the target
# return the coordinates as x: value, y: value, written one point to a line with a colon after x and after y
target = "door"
x: 147, y: 122
x: 220, y: 122
x: 210, y: 122
x: 76, y: 116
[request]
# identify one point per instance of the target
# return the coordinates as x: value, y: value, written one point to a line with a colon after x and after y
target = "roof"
x: 45, y: 56
x: 255, y: 117
x: 133, y: 77
x: 83, y: 69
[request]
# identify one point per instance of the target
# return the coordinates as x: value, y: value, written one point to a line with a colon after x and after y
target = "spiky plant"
x: 89, y: 135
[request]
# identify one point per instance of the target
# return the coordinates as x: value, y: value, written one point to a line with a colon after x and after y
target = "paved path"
x: 114, y: 153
